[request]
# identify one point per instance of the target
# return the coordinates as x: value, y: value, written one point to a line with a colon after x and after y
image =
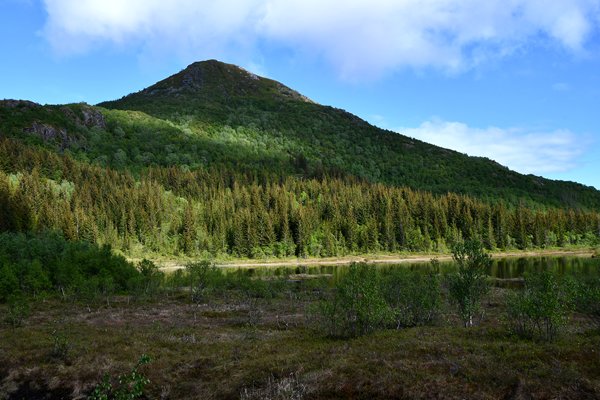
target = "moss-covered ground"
x: 237, y: 346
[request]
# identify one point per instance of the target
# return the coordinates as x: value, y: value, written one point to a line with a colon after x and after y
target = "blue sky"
x: 517, y: 81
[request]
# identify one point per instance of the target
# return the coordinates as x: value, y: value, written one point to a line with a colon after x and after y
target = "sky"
x: 517, y: 81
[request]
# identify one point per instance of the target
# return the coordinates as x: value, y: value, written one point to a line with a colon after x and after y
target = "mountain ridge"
x: 212, y: 114
x: 215, y: 162
x: 227, y: 95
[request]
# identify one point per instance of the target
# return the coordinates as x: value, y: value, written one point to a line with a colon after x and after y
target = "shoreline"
x: 168, y: 266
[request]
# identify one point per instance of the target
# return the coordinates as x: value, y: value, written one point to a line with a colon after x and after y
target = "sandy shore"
x: 169, y: 266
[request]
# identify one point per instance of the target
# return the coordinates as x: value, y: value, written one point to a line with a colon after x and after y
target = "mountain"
x: 216, y: 161
x: 212, y: 98
x: 213, y: 115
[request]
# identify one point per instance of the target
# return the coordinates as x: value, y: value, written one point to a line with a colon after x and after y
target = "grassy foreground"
x: 235, y: 345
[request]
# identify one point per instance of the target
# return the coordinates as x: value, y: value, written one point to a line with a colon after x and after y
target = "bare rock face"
x: 193, y: 77
x: 93, y: 118
x: 49, y: 133
x: 88, y: 116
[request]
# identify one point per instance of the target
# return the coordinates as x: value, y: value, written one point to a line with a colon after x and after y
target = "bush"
x: 126, y: 387
x: 414, y: 297
x: 148, y: 282
x: 357, y: 306
x: 33, y: 264
x: 9, y: 283
x: 540, y: 310
x: 17, y: 312
x: 176, y: 280
x: 203, y: 276
x: 469, y: 284
x: 587, y: 299
x: 254, y: 287
x: 61, y: 345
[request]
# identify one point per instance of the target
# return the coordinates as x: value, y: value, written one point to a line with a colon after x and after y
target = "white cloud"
x: 178, y: 25
x: 525, y: 151
x: 357, y: 37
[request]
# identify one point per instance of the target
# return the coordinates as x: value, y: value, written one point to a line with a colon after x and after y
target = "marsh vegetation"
x: 363, y: 332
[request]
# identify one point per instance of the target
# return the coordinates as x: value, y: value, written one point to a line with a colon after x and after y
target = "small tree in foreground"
x: 541, y: 309
x: 358, y: 305
x: 150, y: 278
x: 587, y: 299
x: 469, y: 284
x: 414, y: 297
x: 203, y: 276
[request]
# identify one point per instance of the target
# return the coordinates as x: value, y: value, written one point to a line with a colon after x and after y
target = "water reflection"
x: 503, y: 269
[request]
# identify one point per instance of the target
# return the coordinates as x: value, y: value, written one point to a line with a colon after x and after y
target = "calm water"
x: 511, y: 268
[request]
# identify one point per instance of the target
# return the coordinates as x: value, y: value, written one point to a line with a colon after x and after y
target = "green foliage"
x: 260, y: 128
x: 148, y: 283
x: 357, y: 306
x: 9, y: 283
x: 469, y: 284
x: 249, y: 287
x: 127, y: 386
x: 414, y: 297
x: 61, y: 345
x: 32, y: 264
x: 203, y: 276
x: 215, y: 212
x: 541, y: 309
x: 18, y: 310
x: 587, y: 299
x: 262, y: 125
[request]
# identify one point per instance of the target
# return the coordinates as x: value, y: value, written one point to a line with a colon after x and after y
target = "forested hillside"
x: 209, y: 98
x: 171, y: 211
x: 217, y: 161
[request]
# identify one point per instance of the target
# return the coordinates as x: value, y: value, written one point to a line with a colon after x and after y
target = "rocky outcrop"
x: 88, y: 116
x: 48, y: 133
x: 93, y: 118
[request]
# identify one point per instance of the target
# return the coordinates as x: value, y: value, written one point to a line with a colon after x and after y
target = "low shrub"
x: 414, y: 297
x: 255, y: 287
x: 149, y: 281
x: 203, y: 277
x: 587, y: 299
x: 540, y: 310
x: 17, y: 310
x: 357, y: 305
x: 61, y: 345
x: 125, y: 387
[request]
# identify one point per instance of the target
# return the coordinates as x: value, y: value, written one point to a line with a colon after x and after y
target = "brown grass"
x: 232, y: 348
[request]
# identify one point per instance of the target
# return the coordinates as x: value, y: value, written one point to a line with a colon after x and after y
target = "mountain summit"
x: 214, y: 115
x: 271, y: 119
x: 223, y: 81
x: 209, y: 85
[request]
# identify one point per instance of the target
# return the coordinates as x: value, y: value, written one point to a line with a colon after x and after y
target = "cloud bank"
x: 529, y: 152
x: 356, y: 37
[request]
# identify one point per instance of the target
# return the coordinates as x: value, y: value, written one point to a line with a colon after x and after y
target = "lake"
x: 510, y: 269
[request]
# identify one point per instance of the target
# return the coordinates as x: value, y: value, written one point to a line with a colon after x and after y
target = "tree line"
x: 225, y: 212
